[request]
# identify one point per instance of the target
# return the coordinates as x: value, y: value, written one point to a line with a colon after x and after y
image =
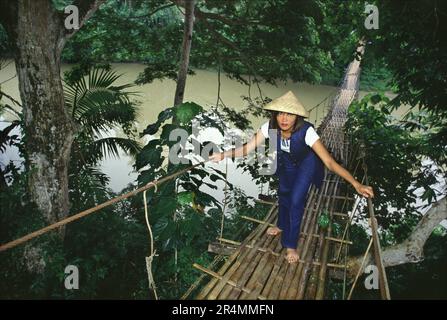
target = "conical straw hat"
x: 287, y: 103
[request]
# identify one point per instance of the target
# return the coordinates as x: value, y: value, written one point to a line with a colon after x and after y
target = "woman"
x: 299, y: 164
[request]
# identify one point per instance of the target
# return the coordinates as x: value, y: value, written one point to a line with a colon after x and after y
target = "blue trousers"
x: 294, y: 183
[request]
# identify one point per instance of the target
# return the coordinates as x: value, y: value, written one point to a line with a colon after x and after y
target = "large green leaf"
x: 205, y: 199
x: 166, y: 205
x: 149, y: 155
x: 191, y: 227
x: 185, y: 198
x: 187, y: 111
x: 166, y: 131
x: 200, y: 172
x: 109, y: 146
x: 215, y: 177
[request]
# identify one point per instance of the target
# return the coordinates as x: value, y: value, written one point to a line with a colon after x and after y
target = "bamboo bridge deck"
x: 257, y: 269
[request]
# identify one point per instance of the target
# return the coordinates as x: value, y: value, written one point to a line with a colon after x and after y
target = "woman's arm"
x: 245, y: 149
x: 333, y: 166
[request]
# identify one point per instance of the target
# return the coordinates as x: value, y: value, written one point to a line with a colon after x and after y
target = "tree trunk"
x: 48, y: 128
x: 186, y: 49
x: 184, y: 61
x: 38, y: 34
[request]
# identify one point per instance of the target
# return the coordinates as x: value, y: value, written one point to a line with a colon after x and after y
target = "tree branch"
x: 10, y: 98
x: 8, y: 107
x: 215, y: 16
x: 165, y: 6
x: 233, y: 46
x: 227, y: 21
x: 86, y: 9
x: 411, y: 250
x: 186, y: 49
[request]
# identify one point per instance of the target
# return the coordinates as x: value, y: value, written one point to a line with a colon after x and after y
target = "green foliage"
x: 252, y: 165
x: 184, y: 216
x: 106, y: 247
x: 61, y: 4
x: 411, y: 43
x: 324, y: 219
x: 425, y: 280
x: 393, y: 157
x: 273, y: 41
x: 360, y: 240
x: 376, y: 77
x: 162, y: 117
x: 339, y: 33
x: 185, y: 198
x: 270, y: 41
x: 115, y: 33
x: 239, y: 204
x: 181, y: 225
x: 337, y: 230
x: 409, y: 51
x: 185, y: 112
x: 159, y: 68
x: 119, y: 32
x: 97, y: 106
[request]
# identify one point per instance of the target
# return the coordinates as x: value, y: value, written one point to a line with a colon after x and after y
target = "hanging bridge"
x: 256, y: 268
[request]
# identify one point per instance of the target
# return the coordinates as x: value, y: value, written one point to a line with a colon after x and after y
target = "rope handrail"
x: 331, y: 94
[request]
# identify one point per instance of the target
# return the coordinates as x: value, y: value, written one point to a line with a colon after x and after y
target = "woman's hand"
x: 216, y: 157
x: 365, y: 191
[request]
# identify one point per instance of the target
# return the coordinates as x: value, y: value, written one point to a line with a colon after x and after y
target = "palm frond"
x: 99, y: 106
x: 102, y: 78
x: 110, y: 146
x: 83, y: 95
x: 99, y: 101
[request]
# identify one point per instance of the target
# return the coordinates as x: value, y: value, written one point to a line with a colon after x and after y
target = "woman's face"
x: 286, y: 121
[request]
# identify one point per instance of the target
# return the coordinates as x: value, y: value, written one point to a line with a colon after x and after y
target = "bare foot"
x: 292, y: 255
x: 273, y: 231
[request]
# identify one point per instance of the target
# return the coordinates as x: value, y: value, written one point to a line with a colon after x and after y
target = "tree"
x: 411, y: 44
x: 258, y: 41
x: 38, y: 35
x: 186, y: 49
